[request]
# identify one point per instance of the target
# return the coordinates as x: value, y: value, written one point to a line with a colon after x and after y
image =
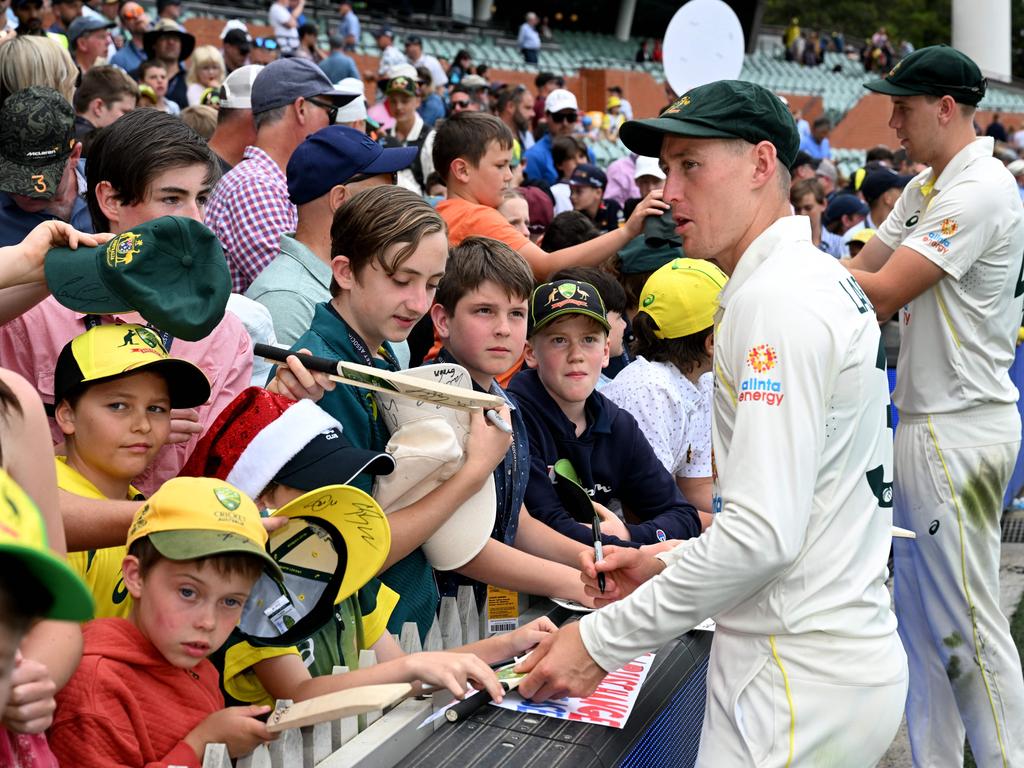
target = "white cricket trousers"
x: 951, y: 472
x: 801, y: 700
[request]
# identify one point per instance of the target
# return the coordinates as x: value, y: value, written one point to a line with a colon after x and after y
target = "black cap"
x: 238, y: 38
x: 937, y: 70
x: 844, y: 205
x: 330, y: 459
x: 724, y: 109
x: 877, y: 183
x: 564, y: 297
x: 587, y: 175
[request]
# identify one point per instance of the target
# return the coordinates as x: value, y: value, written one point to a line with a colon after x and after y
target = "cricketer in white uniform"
x: 806, y: 666
x: 950, y: 254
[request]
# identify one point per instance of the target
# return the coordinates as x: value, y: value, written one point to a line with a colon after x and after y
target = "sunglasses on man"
x: 565, y: 117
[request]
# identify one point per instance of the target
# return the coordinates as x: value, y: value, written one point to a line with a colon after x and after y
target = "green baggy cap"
x: 724, y: 109
x: 937, y: 70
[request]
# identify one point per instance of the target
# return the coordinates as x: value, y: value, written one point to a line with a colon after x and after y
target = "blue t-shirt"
x: 15, y: 223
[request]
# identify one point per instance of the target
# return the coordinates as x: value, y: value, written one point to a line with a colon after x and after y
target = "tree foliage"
x: 922, y: 22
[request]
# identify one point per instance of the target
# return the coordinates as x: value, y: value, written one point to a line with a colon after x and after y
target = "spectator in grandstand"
x: 105, y: 94
x: 879, y: 154
x: 354, y: 113
x: 859, y: 240
x: 461, y: 66
x: 844, y: 212
x: 250, y: 209
x: 566, y: 153
x: 647, y: 176
x: 816, y: 145
x: 201, y: 118
x: 790, y: 36
x: 170, y: 45
x: 348, y: 28
x: 996, y: 129
x: 528, y: 39
x: 586, y: 189
x: 236, y: 129
x: 624, y: 105
x: 621, y: 180
x: 568, y: 229
x: 29, y: 14
x: 808, y: 199
x: 324, y: 173
x: 390, y: 56
x: 1016, y: 169
x: 65, y: 12
x: 613, y: 119
x: 643, y: 53
x: 562, y: 115
x: 152, y: 73
x: 283, y: 17
x: 827, y: 176
x: 541, y: 211
x: 88, y: 38
x: 168, y: 9
x: 338, y: 65
x: 309, y: 47
x: 431, y: 107
x: 134, y: 21
x: 38, y: 123
x: 812, y: 54
x: 546, y: 83
x: 516, y: 211
x: 881, y: 189
x: 206, y: 70
x: 803, y: 166
x: 408, y: 130
x: 515, y: 108
x: 415, y: 55
x: 235, y: 47
x: 264, y: 51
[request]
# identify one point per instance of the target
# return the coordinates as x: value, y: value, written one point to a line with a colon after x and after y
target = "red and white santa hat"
x: 259, y: 432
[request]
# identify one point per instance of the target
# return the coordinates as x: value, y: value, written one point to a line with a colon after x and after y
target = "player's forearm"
x: 502, y: 566
x: 95, y: 523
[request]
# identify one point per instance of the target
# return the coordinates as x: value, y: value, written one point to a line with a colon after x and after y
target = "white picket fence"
x: 387, y: 737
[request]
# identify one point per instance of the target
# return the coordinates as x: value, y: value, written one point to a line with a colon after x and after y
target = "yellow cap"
x: 614, y: 101
x: 193, y: 517
x: 862, y: 236
x: 682, y: 296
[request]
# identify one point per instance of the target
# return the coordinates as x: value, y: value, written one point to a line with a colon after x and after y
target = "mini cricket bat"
x: 461, y: 710
x: 902, y: 533
x: 331, y: 706
x: 380, y: 380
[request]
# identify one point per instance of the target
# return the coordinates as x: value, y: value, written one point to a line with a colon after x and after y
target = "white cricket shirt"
x: 804, y: 462
x: 957, y: 339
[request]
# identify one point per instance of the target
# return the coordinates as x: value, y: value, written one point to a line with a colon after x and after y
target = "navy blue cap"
x: 844, y: 205
x: 877, y: 183
x: 283, y: 81
x: 335, y: 154
x: 587, y: 175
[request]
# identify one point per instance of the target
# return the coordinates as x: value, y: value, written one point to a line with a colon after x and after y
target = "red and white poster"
x: 609, y: 705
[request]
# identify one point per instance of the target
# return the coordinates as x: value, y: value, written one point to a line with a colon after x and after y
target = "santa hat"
x: 254, y: 437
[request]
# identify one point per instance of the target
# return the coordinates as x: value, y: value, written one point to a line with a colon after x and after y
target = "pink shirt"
x: 30, y: 345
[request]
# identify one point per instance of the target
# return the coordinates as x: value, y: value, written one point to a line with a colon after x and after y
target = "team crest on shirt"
x: 948, y: 227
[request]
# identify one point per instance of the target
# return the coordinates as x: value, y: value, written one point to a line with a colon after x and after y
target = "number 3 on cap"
x: 40, y: 184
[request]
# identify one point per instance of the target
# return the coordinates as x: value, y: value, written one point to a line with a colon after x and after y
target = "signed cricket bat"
x: 331, y: 706
x: 380, y: 380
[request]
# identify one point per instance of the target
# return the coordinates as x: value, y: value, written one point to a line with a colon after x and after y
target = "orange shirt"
x: 465, y: 219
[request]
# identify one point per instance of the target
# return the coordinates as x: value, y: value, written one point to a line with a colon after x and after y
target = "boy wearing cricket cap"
x: 948, y: 259
x: 793, y: 569
x: 586, y: 190
x: 566, y: 418
x: 145, y: 691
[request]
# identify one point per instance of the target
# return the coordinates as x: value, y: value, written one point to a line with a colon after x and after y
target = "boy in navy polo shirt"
x: 586, y: 190
x: 566, y: 418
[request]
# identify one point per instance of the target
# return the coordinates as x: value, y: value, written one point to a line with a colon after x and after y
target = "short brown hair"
x: 685, y: 353
x: 106, y: 82
x: 249, y: 566
x: 467, y: 135
x: 807, y: 187
x: 477, y: 260
x: 372, y: 221
x: 201, y: 118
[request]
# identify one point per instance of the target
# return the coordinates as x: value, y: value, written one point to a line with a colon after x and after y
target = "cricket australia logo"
x: 571, y: 295
x: 682, y: 101
x: 123, y: 248
x: 228, y: 497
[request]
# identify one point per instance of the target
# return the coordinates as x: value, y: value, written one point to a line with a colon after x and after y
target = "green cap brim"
x: 645, y: 136
x: 72, y: 600
x: 25, y: 179
x: 73, y: 278
x: 192, y: 545
x: 887, y: 88
x: 571, y: 311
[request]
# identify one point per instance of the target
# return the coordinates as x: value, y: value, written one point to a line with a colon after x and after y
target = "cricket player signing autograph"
x: 806, y: 666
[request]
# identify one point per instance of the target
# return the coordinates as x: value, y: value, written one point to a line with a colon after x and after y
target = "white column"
x: 625, y: 22
x: 482, y: 10
x: 981, y: 29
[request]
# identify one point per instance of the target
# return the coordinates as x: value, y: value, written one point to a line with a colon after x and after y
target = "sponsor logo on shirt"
x: 937, y: 241
x: 761, y: 389
x: 762, y: 358
x: 948, y: 227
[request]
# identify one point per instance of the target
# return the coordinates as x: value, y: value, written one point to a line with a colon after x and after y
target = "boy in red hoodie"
x: 145, y: 694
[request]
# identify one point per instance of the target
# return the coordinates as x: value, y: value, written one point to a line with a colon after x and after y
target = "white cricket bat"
x: 380, y: 380
x: 902, y: 533
x: 331, y: 706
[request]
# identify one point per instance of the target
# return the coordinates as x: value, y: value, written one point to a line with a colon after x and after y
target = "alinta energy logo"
x: 761, y: 389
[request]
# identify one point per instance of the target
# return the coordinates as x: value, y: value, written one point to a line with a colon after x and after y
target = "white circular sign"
x: 703, y: 43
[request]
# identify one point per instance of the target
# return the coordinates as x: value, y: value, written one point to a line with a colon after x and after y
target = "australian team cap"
x: 551, y: 301
x: 724, y: 109
x: 937, y: 70
x: 108, y: 352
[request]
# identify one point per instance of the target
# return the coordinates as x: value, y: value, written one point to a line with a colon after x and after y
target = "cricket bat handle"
x: 312, y: 362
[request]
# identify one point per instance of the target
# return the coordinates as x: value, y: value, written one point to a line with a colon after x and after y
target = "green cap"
x: 639, y: 256
x: 170, y: 270
x: 937, y: 70
x: 37, y: 134
x: 724, y: 109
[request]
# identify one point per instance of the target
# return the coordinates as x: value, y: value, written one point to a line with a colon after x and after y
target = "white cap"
x: 403, y: 70
x: 236, y: 92
x: 1016, y: 167
x: 355, y: 109
x: 560, y: 99
x: 233, y: 24
x: 648, y: 166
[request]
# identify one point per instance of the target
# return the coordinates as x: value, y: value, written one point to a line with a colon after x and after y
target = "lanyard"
x: 91, y: 321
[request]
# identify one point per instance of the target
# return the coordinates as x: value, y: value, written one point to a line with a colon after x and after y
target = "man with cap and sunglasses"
x: 250, y: 209
x: 136, y: 22
x: 324, y: 172
x: 562, y: 112
x: 793, y: 569
x: 948, y: 259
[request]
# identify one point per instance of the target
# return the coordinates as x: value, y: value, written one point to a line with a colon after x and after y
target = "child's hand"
x: 652, y: 205
x: 184, y: 425
x: 486, y: 445
x: 452, y: 671
x: 611, y: 525
x: 528, y: 636
x: 235, y: 727
x: 296, y: 381
x: 31, y: 704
